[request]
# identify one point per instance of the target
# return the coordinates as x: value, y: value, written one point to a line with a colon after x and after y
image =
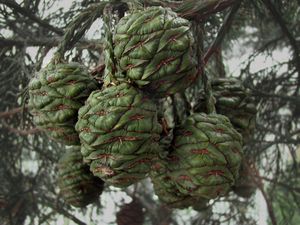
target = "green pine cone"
x: 55, y: 96
x: 206, y: 156
x: 166, y: 190
x: 119, y: 132
x: 77, y: 184
x: 235, y: 102
x: 153, y: 48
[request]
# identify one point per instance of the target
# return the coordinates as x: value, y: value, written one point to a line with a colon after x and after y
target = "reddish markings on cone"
x: 187, y: 133
x: 165, y: 62
x: 50, y: 79
x: 118, y: 95
x: 104, y: 170
x: 130, y: 66
x: 219, y: 130
x: 41, y: 93
x: 121, y: 138
x: 200, y: 151
x: 62, y: 107
x: 215, y: 173
x: 173, y: 38
x: 101, y: 113
x: 184, y: 177
x: 156, y: 166
x: 146, y: 160
x: 105, y: 156
x: 137, y: 117
x: 71, y: 82
x: 85, y: 129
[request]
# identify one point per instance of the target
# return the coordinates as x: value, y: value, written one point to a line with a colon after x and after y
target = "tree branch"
x: 222, y: 32
x: 278, y: 18
x: 190, y: 9
x: 49, y: 42
x: 258, y: 181
x: 11, y: 112
x: 15, y: 6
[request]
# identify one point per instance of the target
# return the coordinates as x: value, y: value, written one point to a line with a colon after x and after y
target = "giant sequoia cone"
x: 119, y: 133
x: 55, y: 95
x: 235, y: 102
x: 131, y: 214
x: 167, y: 192
x: 153, y: 48
x: 77, y: 184
x: 206, y: 157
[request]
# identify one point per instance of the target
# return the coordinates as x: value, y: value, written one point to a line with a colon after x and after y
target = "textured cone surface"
x: 131, y: 214
x: 235, y: 102
x: 206, y: 158
x: 166, y: 190
x: 55, y: 96
x: 245, y: 186
x: 119, y: 132
x: 153, y: 48
x: 77, y: 184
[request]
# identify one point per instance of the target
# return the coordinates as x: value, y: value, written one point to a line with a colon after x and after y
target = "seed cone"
x: 119, y: 132
x: 153, y: 49
x: 55, y: 95
x: 77, y: 184
x: 234, y: 101
x: 166, y: 190
x: 206, y: 156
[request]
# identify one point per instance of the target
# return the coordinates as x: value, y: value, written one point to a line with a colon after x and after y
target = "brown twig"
x: 255, y: 176
x: 11, y: 112
x: 21, y: 132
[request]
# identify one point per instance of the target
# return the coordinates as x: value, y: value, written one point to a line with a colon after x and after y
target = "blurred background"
x: 258, y: 43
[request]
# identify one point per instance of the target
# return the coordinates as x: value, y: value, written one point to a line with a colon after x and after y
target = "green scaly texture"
x: 153, y: 48
x: 206, y: 156
x: 234, y: 101
x: 119, y: 132
x: 55, y: 95
x: 77, y: 184
x: 166, y: 190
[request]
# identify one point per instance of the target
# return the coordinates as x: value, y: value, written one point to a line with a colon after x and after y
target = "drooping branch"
x: 190, y: 9
x: 222, y: 32
x: 258, y: 181
x: 16, y: 7
x: 278, y: 18
x: 49, y: 42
